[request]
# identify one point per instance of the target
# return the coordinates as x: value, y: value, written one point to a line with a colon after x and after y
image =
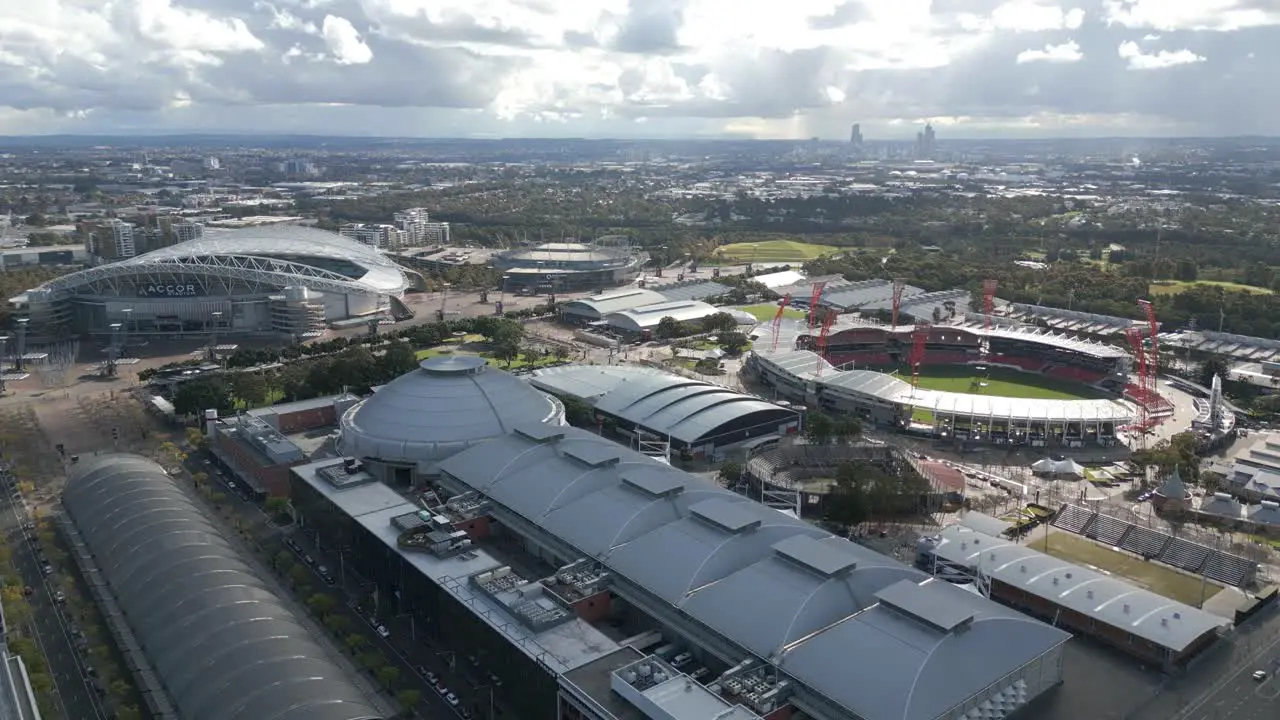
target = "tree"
x: 734, y: 342
x: 1214, y: 365
x: 128, y: 712
x: 276, y: 507
x: 250, y: 388
x: 372, y: 660
x: 388, y: 675
x: 299, y: 575
x: 321, y: 604
x: 217, y: 499
x: 507, y: 352
x: 668, y: 328
x: 560, y: 352
x: 819, y: 428
x: 193, y: 397
x: 731, y: 473
x: 355, y: 642
x: 337, y: 623
x: 282, y: 559
x: 398, y: 359
x: 721, y: 322
x: 195, y: 438
x: 409, y: 699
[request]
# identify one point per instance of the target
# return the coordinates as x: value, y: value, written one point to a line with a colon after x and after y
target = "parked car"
x: 293, y: 544
x: 383, y: 632
x: 451, y: 699
x: 327, y: 578
x: 59, y: 597
x: 1259, y: 675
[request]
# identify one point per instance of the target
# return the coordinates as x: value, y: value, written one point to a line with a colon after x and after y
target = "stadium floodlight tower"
x: 899, y: 285
x: 919, y: 338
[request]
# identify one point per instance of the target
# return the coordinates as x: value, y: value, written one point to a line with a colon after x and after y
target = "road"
x: 76, y: 697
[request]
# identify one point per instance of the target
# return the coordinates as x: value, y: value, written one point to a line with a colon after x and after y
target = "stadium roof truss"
x: 252, y: 269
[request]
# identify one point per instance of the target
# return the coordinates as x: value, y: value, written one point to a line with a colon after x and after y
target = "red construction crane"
x: 1134, y: 336
x: 777, y: 319
x: 989, y: 299
x: 919, y: 336
x: 898, y: 286
x: 1153, y: 359
x: 827, y: 322
x: 818, y: 287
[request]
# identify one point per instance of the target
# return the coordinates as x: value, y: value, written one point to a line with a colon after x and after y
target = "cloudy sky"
x: 641, y: 68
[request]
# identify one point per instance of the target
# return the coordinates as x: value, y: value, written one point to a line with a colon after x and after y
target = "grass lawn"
x: 273, y: 396
x: 1172, y: 287
x: 1001, y: 382
x: 1150, y: 575
x: 765, y: 312
x: 773, y: 251
x: 518, y: 363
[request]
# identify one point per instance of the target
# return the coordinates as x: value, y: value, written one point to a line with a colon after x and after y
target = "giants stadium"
x: 571, y: 266
x: 1000, y: 385
x: 284, y: 279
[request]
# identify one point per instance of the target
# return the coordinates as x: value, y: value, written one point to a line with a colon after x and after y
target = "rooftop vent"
x: 541, y: 432
x: 815, y: 555
x: 453, y: 365
x: 1088, y: 594
x: 1126, y: 608
x: 594, y: 454
x: 734, y: 517
x: 653, y: 482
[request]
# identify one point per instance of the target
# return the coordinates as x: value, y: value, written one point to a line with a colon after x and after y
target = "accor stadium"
x: 288, y: 280
x: 865, y: 372
x: 571, y: 266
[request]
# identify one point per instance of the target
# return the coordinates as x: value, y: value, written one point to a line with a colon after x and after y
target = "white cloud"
x: 344, y: 42
x: 1139, y: 60
x: 1024, y: 16
x: 192, y: 30
x: 1171, y: 15
x: 1067, y: 52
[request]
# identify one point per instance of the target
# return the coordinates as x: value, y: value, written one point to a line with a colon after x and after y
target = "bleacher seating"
x: 860, y: 358
x: 1026, y: 364
x: 1230, y: 569
x: 1185, y: 554
x: 946, y: 358
x: 1145, y: 542
x: 1074, y: 518
x: 1109, y: 530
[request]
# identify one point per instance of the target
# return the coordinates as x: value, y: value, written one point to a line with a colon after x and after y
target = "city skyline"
x: 651, y: 69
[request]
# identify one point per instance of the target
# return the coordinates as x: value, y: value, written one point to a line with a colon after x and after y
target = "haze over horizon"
x: 640, y: 68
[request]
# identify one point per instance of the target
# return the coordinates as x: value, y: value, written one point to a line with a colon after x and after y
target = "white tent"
x: 1066, y: 466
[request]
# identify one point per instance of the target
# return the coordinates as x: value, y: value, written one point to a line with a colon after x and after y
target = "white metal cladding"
x: 597, y: 306
x: 255, y: 255
x: 223, y: 645
x: 649, y: 316
x: 740, y: 585
x: 1107, y: 600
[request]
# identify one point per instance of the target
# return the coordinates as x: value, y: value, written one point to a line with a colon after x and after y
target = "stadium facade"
x: 796, y: 373
x: 571, y: 266
x: 283, y: 279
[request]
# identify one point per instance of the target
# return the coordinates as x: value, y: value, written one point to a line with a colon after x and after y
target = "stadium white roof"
x: 665, y: 404
x: 596, y: 307
x: 279, y: 254
x: 1104, y: 598
x: 780, y: 278
x: 448, y: 404
x: 859, y: 629
x: 648, y: 316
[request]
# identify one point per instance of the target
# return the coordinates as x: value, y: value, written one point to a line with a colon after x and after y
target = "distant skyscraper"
x: 855, y: 134
x: 926, y: 143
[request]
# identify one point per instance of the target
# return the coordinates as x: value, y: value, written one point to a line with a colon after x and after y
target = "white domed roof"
x: 447, y: 405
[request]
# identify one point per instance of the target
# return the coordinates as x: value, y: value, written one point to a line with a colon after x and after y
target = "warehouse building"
x: 206, y: 637
x: 637, y: 321
x: 557, y: 551
x: 706, y: 419
x: 1136, y: 621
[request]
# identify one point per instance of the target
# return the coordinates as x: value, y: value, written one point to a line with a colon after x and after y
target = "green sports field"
x: 767, y: 311
x: 1000, y: 382
x: 1157, y: 578
x: 772, y: 252
x: 1172, y: 287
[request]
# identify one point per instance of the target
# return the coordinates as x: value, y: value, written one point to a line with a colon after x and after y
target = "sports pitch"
x: 1157, y: 578
x: 773, y: 251
x: 1000, y: 382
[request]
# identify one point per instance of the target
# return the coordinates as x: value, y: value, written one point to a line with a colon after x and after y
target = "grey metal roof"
x: 223, y: 645
x: 448, y: 404
x: 648, y: 316
x: 597, y: 306
x: 692, y: 290
x: 773, y: 585
x: 866, y: 292
x: 666, y: 404
x: 1104, y: 598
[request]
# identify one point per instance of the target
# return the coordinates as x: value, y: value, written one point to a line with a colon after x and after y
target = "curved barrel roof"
x: 445, y: 406
x: 223, y: 645
x: 686, y: 410
x: 865, y: 632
